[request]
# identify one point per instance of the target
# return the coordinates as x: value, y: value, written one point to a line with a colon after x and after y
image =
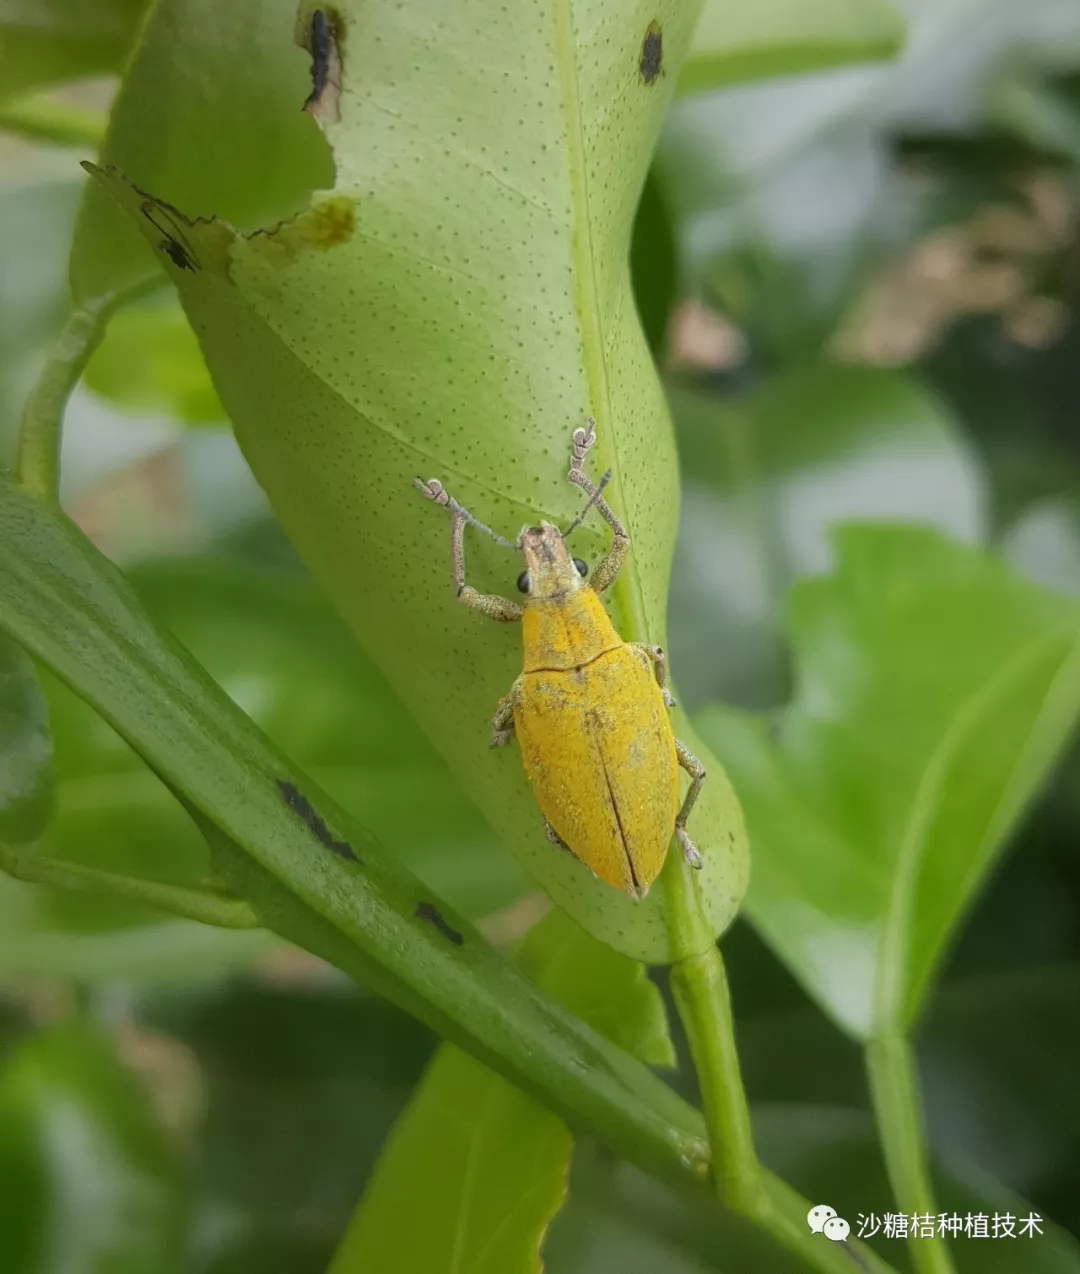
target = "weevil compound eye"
x: 582, y: 567
x: 523, y: 582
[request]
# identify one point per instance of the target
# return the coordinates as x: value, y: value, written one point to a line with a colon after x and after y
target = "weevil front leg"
x: 502, y: 723
x: 556, y: 839
x: 696, y: 770
x: 490, y: 604
x: 658, y: 659
x: 607, y: 569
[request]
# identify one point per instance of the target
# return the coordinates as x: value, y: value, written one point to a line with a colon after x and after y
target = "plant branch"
x: 894, y: 1088
x: 41, y: 429
x: 700, y: 988
x: 207, y: 906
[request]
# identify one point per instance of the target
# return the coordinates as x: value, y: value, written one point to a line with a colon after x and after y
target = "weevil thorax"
x: 564, y: 625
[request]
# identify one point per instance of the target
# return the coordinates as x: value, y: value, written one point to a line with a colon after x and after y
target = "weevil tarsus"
x: 554, y: 837
x: 502, y: 723
x: 696, y: 770
x: 490, y: 604
x: 607, y: 569
x: 656, y: 657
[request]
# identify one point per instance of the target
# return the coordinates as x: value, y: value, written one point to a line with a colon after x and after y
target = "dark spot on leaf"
x: 652, y: 54
x: 306, y: 813
x: 323, y: 41
x: 429, y: 912
x: 174, y: 243
x: 330, y: 222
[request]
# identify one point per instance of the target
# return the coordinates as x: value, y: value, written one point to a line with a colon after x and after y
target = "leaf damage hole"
x: 429, y: 912
x: 312, y: 820
x: 323, y: 39
x: 174, y: 243
x: 651, y: 62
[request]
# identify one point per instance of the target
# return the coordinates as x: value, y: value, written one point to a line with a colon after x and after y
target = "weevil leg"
x: 658, y: 659
x: 502, y: 723
x: 490, y: 604
x: 556, y: 839
x: 607, y: 569
x: 696, y: 770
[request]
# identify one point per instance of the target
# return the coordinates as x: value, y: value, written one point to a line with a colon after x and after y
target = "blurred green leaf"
x: 88, y: 1181
x: 934, y: 691
x: 766, y: 477
x: 44, y: 42
x: 744, y: 41
x: 26, y: 752
x: 653, y: 265
x: 301, y: 1084
x: 487, y: 1163
x: 398, y: 327
x: 150, y: 361
x: 209, y: 118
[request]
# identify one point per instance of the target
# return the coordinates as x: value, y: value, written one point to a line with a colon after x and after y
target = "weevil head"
x: 550, y: 572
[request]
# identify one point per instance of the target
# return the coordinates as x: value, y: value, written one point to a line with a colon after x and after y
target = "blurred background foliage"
x: 863, y: 287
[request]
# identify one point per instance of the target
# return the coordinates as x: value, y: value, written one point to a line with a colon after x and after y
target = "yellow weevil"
x: 589, y: 709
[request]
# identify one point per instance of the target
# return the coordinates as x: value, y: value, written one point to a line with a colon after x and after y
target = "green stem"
x: 700, y: 989
x: 41, y: 430
x: 44, y: 119
x: 195, y: 904
x: 894, y: 1088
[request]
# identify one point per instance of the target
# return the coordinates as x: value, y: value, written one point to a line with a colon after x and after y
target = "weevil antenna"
x: 592, y: 500
x: 434, y: 490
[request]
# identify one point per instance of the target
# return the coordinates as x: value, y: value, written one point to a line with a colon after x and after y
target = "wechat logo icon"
x: 823, y: 1220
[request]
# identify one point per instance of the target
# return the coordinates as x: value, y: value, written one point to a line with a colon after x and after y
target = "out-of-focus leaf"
x: 45, y: 42
x: 26, y: 754
x: 653, y: 265
x: 301, y: 1087
x: 150, y: 361
x: 486, y: 1163
x: 397, y: 327
x: 209, y: 118
x: 934, y: 690
x: 766, y: 477
x: 88, y: 1182
x: 745, y: 41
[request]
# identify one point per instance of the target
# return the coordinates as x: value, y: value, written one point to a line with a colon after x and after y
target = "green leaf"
x: 745, y: 41
x: 150, y: 362
x: 26, y: 754
x: 208, y: 117
x: 486, y: 1163
x: 934, y: 691
x: 309, y: 871
x: 767, y: 476
x: 44, y: 42
x: 88, y: 1182
x: 454, y: 309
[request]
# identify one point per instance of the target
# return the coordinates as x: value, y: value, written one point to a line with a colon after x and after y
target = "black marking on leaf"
x: 651, y: 62
x: 174, y: 243
x: 323, y: 42
x: 429, y: 912
x: 312, y: 820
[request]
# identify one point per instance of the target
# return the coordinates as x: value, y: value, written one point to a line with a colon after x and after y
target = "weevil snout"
x: 551, y: 572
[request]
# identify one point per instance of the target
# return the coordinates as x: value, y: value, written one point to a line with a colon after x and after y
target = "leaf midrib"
x: 586, y: 297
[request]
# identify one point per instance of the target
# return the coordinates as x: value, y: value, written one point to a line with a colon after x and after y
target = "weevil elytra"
x: 590, y: 710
